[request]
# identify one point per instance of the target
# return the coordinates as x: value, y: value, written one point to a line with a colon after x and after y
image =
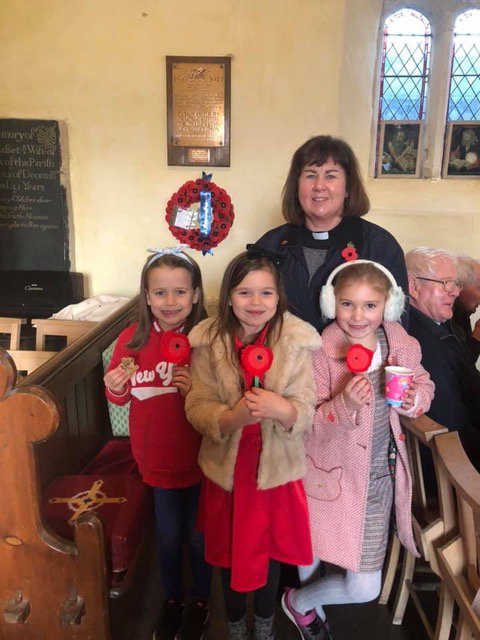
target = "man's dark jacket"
x: 456, y: 404
x: 463, y: 329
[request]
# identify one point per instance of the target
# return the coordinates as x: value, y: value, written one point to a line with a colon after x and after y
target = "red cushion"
x: 123, y: 503
x: 115, y: 458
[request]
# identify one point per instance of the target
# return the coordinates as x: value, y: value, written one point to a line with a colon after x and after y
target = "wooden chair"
x: 390, y: 569
x: 459, y: 558
x: 428, y: 529
x: 70, y: 329
x: 28, y: 361
x: 13, y: 327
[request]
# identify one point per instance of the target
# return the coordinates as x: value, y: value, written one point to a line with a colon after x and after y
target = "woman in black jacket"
x: 323, y: 203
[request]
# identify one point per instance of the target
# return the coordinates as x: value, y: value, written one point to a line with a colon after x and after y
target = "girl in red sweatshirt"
x: 150, y: 369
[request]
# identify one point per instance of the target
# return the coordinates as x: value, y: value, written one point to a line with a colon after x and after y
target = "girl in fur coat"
x: 252, y: 398
x: 357, y: 464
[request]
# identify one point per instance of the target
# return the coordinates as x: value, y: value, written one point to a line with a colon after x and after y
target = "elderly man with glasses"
x: 433, y: 287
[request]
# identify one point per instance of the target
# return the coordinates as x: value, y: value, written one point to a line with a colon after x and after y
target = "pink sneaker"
x: 309, y: 625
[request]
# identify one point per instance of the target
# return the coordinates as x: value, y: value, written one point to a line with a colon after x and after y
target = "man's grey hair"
x: 420, y: 261
x: 468, y: 270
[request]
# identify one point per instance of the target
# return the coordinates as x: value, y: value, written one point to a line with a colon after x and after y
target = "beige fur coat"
x: 216, y: 387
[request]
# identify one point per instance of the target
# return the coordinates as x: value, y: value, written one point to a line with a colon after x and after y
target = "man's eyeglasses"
x: 448, y: 285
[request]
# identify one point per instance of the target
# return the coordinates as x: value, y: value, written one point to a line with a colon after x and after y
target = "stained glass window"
x: 405, y: 63
x: 464, y: 98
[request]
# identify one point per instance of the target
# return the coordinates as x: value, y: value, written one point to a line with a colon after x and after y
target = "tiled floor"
x: 348, y: 622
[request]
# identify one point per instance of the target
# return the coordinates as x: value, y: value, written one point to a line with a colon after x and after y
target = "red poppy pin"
x: 256, y: 359
x: 175, y: 347
x: 359, y: 358
x: 349, y: 253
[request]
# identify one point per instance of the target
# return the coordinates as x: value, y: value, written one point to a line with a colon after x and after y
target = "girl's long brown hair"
x: 145, y: 316
x: 226, y: 325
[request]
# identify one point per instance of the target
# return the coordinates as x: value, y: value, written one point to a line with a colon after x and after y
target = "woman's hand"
x: 116, y: 380
x: 235, y: 418
x: 357, y: 393
x: 181, y: 379
x: 268, y: 404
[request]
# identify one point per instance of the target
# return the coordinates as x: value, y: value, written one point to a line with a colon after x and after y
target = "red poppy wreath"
x: 205, y: 226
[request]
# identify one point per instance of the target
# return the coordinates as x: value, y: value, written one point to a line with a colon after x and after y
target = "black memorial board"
x: 33, y: 202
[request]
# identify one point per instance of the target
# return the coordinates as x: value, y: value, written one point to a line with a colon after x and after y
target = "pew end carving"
x: 52, y: 423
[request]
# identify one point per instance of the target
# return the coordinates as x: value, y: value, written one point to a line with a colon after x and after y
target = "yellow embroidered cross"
x: 87, y: 500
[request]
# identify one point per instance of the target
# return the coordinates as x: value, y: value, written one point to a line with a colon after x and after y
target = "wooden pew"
x: 51, y: 424
x: 69, y: 329
x: 12, y: 327
x: 27, y: 360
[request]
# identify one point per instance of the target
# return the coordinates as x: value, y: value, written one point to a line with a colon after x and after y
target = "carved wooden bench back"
x: 52, y: 423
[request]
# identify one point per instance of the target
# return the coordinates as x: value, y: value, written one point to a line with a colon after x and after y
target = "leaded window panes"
x: 464, y: 98
x: 405, y: 63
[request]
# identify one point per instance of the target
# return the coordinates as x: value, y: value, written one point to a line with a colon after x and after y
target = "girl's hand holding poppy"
x: 357, y: 393
x: 116, y: 380
x: 235, y: 418
x: 268, y: 404
x: 181, y: 379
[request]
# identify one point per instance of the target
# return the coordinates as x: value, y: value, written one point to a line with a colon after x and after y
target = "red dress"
x: 247, y: 527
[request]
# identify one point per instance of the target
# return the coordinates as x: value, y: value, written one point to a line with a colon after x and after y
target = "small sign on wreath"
x: 200, y: 214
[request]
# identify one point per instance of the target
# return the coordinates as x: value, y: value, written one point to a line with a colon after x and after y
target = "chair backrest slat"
x: 459, y: 558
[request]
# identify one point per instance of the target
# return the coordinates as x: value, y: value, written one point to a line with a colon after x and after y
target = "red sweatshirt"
x: 164, y: 444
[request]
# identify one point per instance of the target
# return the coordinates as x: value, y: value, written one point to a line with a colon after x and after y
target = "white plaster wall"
x: 299, y: 68
x: 100, y: 66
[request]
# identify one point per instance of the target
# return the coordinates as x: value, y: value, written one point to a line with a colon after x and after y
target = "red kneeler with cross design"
x: 111, y: 487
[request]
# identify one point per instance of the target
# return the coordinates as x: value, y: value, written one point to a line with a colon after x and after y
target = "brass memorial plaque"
x: 198, y: 111
x: 198, y: 156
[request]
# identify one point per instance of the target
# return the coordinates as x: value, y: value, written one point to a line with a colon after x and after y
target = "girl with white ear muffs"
x: 357, y: 464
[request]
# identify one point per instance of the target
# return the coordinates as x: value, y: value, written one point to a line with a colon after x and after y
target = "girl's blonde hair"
x: 226, y: 325
x: 145, y: 316
x: 365, y: 272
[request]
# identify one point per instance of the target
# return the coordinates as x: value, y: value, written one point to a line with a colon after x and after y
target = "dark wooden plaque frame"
x: 201, y: 155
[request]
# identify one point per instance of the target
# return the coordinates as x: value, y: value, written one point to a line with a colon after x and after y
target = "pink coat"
x: 339, y: 448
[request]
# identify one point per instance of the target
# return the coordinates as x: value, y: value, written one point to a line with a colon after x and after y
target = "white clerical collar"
x: 320, y: 235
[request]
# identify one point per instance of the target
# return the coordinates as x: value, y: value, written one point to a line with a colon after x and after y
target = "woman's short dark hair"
x: 317, y: 151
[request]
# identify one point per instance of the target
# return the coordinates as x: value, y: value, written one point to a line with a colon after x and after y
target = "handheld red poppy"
x: 256, y: 359
x: 359, y: 358
x: 175, y: 347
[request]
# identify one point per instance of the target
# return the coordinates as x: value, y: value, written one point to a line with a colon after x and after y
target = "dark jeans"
x: 176, y: 513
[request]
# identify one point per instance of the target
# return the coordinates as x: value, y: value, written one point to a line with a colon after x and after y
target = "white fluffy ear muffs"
x: 394, y: 305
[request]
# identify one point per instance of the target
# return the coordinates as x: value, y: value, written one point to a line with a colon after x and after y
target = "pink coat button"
x: 402, y: 437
